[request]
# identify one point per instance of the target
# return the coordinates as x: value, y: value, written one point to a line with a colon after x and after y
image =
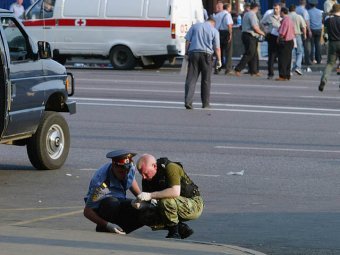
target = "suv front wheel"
x: 48, y: 148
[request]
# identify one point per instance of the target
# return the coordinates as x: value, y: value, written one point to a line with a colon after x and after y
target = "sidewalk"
x: 35, y: 241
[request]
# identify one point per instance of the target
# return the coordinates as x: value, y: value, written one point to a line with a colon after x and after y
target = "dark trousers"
x: 120, y: 212
x: 273, y: 51
x: 315, y: 53
x: 285, y: 58
x: 199, y: 63
x: 307, y: 50
x: 227, y: 53
x: 250, y: 55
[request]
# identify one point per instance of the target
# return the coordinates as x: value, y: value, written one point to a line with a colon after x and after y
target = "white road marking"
x: 214, y: 104
x: 274, y: 149
x: 320, y: 97
x: 40, y: 209
x: 88, y: 169
x: 182, y: 83
x: 146, y: 90
x: 216, y: 107
x: 204, y: 175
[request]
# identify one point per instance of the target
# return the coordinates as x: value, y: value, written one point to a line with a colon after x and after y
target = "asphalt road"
x: 284, y: 135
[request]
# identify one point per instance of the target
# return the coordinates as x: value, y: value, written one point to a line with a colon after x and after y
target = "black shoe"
x: 206, y: 106
x: 184, y: 230
x: 189, y: 106
x: 270, y: 77
x: 216, y: 71
x: 101, y: 229
x: 173, y: 232
x: 322, y: 86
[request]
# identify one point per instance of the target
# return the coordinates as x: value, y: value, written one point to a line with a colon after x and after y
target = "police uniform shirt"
x: 203, y: 38
x: 249, y: 21
x: 115, y: 188
x: 315, y: 17
x: 223, y: 19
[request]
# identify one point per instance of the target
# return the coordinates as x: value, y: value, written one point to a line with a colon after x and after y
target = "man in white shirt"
x: 17, y: 8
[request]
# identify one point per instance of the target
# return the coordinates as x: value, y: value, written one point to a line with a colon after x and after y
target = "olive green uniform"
x: 188, y: 206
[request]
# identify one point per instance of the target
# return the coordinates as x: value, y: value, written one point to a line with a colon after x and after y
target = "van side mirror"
x: 44, y: 50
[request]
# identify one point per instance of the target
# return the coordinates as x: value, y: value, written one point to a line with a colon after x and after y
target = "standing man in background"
x: 301, y: 10
x: 286, y: 44
x: 202, y: 40
x: 300, y: 32
x: 250, y: 33
x: 17, y: 8
x: 271, y: 22
x: 315, y: 16
x: 224, y: 25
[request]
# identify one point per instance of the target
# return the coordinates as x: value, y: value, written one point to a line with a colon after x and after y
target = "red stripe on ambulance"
x: 99, y: 23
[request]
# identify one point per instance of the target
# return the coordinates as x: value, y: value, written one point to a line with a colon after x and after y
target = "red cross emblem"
x: 80, y: 22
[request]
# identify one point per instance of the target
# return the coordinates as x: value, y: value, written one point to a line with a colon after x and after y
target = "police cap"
x: 121, y: 157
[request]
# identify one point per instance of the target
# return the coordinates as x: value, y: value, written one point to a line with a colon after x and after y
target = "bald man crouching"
x: 178, y: 198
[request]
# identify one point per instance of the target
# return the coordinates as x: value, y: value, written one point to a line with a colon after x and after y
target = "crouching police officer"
x: 178, y: 198
x: 106, y: 202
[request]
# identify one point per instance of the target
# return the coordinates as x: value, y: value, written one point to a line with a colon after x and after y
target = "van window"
x: 121, y: 8
x: 81, y: 8
x: 158, y: 9
x: 17, y: 40
x: 42, y: 9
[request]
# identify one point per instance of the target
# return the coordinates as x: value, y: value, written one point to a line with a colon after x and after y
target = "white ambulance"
x: 125, y: 31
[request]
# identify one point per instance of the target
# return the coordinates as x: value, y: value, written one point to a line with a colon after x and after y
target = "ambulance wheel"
x: 122, y: 58
x: 158, y: 62
x: 48, y: 148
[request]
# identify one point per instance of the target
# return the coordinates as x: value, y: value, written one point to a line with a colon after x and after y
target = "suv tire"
x: 48, y: 148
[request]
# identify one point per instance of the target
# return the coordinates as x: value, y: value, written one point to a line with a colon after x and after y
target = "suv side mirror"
x: 44, y: 50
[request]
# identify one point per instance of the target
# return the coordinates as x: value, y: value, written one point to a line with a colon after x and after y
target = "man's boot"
x: 184, y: 230
x: 173, y: 232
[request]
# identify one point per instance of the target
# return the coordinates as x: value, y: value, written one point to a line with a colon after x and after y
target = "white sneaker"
x: 308, y: 70
x: 298, y: 71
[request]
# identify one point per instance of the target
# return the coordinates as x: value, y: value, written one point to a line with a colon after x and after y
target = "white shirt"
x: 17, y: 9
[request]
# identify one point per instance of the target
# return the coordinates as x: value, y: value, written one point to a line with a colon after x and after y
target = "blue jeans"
x: 298, y: 52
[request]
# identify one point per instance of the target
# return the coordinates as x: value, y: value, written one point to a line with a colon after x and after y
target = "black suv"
x: 33, y: 90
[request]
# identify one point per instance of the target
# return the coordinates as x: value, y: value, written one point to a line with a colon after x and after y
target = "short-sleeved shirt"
x: 223, y: 19
x: 286, y: 29
x: 299, y: 22
x: 166, y: 177
x: 249, y: 21
x: 315, y: 16
x: 272, y: 23
x: 301, y: 10
x: 203, y: 38
x: 115, y: 188
x: 332, y: 25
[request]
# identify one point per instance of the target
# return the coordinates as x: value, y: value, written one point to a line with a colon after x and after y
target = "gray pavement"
x: 33, y: 241
x: 284, y: 136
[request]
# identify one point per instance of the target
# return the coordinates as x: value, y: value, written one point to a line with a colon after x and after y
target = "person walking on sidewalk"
x: 250, y: 33
x: 178, y: 198
x: 332, y: 27
x: 315, y: 15
x: 271, y: 22
x: 286, y: 44
x: 300, y: 32
x: 202, y: 40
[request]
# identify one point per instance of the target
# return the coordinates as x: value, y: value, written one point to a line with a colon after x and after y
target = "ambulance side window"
x: 18, y: 43
x: 35, y: 12
x: 43, y: 9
